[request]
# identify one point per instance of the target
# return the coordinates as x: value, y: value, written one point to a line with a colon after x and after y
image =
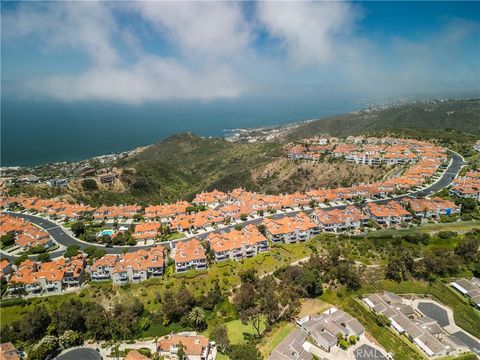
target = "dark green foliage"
x: 438, y: 262
x: 176, y: 305
x: 89, y: 184
x: 8, y: 239
x: 78, y: 228
x: 71, y: 251
x: 44, y: 257
x: 20, y: 259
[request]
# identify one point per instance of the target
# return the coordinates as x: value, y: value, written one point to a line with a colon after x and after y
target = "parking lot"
x: 435, y: 312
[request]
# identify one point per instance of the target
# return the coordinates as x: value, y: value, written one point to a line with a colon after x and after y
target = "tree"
x: 176, y: 305
x: 21, y: 259
x: 252, y: 315
x: 99, y: 253
x: 269, y: 299
x: 89, y: 184
x: 90, y: 250
x: 468, y: 249
x: 34, y: 324
x: 249, y: 276
x: 347, y: 275
x: 245, y: 297
x: 78, y: 228
x: 71, y: 251
x: 44, y: 257
x: 48, y: 347
x: 220, y: 336
x: 262, y: 229
x: 180, y: 351
x: 8, y: 239
x: 243, y: 217
x: 395, y: 270
x: 197, y: 318
x: 97, y: 322
x: 70, y: 338
x: 69, y: 316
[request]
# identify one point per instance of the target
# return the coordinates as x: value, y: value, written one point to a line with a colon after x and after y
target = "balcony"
x: 221, y: 257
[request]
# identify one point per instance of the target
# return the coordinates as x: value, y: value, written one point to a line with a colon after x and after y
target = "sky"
x: 147, y: 51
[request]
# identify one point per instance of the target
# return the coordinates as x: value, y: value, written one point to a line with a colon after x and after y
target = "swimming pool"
x: 108, y: 232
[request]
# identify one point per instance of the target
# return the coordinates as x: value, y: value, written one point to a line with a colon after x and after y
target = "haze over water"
x: 34, y: 133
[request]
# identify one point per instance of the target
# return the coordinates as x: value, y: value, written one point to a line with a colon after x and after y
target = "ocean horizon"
x: 35, y: 133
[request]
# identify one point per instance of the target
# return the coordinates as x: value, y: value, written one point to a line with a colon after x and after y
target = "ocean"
x: 39, y: 132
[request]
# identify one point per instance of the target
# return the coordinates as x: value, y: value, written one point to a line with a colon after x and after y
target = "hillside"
x: 459, y: 115
x: 182, y: 165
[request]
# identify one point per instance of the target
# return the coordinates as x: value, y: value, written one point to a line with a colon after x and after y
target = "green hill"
x: 459, y: 115
x: 184, y: 164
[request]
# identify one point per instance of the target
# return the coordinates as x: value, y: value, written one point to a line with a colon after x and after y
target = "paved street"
x: 62, y: 237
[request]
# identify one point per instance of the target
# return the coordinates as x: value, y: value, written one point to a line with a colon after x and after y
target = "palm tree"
x: 197, y: 318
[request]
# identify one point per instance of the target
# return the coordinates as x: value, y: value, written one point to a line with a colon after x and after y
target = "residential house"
x: 27, y: 235
x: 195, y: 347
x: 290, y: 229
x: 102, y: 268
x: 391, y: 213
x: 8, y: 351
x: 431, y: 208
x: 336, y: 220
x: 469, y: 288
x: 5, y: 268
x: 147, y: 231
x: 293, y: 347
x: 467, y: 186
x: 135, y: 355
x: 422, y: 331
x: 48, y: 277
x: 237, y: 244
x: 189, y: 254
x: 324, y: 328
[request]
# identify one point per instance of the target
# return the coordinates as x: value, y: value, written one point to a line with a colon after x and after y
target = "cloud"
x: 309, y: 31
x: 83, y: 26
x: 91, y: 28
x: 230, y: 49
x: 150, y: 79
x: 211, y: 29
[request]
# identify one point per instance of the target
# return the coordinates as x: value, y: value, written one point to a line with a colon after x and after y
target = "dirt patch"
x: 313, y: 306
x: 284, y: 175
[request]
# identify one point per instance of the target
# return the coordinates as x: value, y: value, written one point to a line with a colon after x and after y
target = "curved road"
x: 62, y: 237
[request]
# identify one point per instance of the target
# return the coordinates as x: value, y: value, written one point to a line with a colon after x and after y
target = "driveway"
x: 80, y: 354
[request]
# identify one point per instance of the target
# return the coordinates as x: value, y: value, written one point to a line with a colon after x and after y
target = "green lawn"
x: 274, y: 337
x: 236, y: 330
x: 175, y: 235
x: 225, y: 357
x: 159, y: 329
x: 428, y: 228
